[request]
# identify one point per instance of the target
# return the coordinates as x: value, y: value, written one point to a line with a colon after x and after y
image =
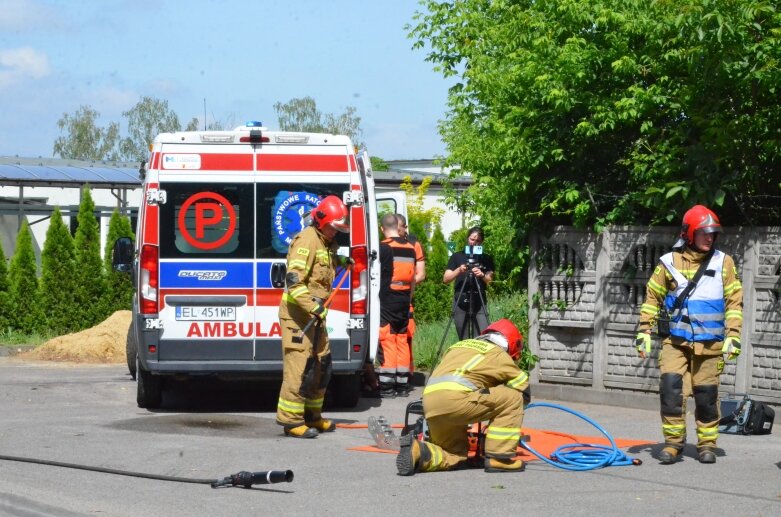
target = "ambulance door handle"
x: 278, y: 270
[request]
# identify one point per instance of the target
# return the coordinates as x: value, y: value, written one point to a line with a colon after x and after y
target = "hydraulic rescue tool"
x: 243, y: 478
x: 326, y: 304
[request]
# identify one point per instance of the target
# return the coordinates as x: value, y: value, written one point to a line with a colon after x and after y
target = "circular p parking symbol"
x: 207, y: 211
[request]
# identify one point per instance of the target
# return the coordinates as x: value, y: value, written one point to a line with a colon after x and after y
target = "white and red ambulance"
x: 219, y: 209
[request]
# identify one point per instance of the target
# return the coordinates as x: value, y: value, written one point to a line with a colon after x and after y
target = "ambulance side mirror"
x: 122, y: 255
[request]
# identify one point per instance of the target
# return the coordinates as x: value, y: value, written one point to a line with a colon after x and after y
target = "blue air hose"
x: 583, y: 456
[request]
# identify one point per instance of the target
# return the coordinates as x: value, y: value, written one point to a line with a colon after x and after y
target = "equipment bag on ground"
x: 746, y: 416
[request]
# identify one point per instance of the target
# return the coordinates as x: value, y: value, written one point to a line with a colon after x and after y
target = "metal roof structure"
x: 48, y: 172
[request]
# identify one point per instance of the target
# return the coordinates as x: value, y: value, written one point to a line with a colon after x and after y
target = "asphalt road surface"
x: 87, y: 415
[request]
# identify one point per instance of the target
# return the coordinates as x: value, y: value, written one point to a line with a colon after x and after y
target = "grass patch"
x: 430, y: 337
x: 14, y: 338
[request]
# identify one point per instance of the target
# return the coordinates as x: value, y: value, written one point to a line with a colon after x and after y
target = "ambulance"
x: 219, y: 209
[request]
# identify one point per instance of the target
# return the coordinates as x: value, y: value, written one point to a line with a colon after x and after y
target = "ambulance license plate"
x: 184, y: 313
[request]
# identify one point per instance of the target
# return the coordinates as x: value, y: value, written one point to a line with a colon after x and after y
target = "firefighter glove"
x: 320, y: 311
x: 643, y: 344
x: 731, y: 348
x: 343, y: 261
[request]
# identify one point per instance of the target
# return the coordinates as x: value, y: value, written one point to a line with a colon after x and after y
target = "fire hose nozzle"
x: 247, y: 479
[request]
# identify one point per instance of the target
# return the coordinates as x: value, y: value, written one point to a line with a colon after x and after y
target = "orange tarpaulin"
x: 543, y: 441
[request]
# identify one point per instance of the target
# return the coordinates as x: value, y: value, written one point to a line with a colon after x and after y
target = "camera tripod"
x: 469, y: 327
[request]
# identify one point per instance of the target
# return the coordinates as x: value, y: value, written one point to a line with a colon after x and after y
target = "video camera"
x: 473, y: 254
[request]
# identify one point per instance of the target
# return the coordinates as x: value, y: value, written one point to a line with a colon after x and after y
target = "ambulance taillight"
x: 149, y: 279
x: 359, y: 281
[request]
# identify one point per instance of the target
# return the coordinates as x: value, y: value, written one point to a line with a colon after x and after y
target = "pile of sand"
x: 103, y: 343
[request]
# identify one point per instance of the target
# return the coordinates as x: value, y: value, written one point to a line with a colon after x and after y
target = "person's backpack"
x: 746, y: 416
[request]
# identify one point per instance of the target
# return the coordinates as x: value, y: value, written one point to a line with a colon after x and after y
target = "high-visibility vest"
x: 701, y: 317
x: 403, y: 264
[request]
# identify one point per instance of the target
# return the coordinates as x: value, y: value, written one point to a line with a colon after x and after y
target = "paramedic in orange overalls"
x: 394, y: 355
x: 420, y: 275
x: 311, y: 268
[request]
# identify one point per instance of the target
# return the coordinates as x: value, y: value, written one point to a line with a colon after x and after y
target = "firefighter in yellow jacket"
x: 704, y: 326
x: 311, y: 268
x: 477, y: 380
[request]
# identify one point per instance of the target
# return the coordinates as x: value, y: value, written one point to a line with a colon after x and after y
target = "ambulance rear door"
x: 377, y: 204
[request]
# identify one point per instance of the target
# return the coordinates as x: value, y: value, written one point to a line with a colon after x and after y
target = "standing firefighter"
x: 311, y: 268
x: 697, y: 286
x: 477, y: 380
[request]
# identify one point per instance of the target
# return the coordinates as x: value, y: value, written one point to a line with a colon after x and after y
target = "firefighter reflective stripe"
x: 655, y: 287
x: 503, y: 433
x: 435, y: 461
x: 470, y: 365
x: 674, y: 430
x: 295, y: 293
x: 314, y: 403
x: 516, y: 382
x: 297, y: 264
x: 707, y: 434
x: 647, y: 308
x: 455, y: 384
x: 296, y: 408
x: 323, y: 256
x: 733, y: 314
x: 287, y: 297
x: 731, y: 288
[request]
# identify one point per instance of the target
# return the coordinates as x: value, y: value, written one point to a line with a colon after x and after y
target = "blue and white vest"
x: 701, y: 317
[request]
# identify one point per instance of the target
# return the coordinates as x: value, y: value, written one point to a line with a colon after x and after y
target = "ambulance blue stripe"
x: 197, y: 275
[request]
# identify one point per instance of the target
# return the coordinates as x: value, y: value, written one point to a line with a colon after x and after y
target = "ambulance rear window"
x: 282, y: 210
x: 207, y: 221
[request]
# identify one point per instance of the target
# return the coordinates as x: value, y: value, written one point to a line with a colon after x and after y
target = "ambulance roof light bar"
x: 255, y: 132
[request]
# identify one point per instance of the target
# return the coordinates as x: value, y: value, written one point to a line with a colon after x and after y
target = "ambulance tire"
x: 131, y: 350
x: 346, y: 390
x: 149, y: 389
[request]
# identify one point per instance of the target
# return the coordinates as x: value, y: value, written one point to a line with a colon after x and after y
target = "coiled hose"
x: 582, y: 456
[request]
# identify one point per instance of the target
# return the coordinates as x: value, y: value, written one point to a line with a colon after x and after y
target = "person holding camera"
x: 696, y: 299
x: 472, y: 271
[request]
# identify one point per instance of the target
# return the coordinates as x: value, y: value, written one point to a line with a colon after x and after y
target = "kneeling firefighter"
x: 477, y: 380
x: 311, y: 268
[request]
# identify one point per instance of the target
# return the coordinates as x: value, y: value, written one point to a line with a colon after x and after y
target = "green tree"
x: 89, y: 295
x: 302, y: 115
x: 433, y: 299
x: 26, y: 313
x: 119, y: 292
x: 148, y: 118
x: 58, y: 278
x: 574, y: 111
x: 84, y: 140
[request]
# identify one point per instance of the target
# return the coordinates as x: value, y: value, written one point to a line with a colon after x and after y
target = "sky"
x: 240, y: 56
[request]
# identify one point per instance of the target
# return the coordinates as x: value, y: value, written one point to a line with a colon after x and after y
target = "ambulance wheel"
x: 131, y: 350
x: 149, y: 389
x: 347, y: 390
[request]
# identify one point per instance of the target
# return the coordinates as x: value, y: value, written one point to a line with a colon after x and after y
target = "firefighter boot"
x: 323, y: 425
x: 412, y: 455
x: 301, y: 431
x: 669, y: 455
x: 707, y: 455
x: 504, y: 465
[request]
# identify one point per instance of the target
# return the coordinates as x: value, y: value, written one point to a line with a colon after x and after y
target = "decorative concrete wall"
x: 586, y: 290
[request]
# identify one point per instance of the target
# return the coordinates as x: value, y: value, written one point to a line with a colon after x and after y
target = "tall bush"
x: 90, y: 280
x: 119, y: 291
x: 58, y: 278
x: 4, y: 306
x: 25, y: 308
x: 433, y: 299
